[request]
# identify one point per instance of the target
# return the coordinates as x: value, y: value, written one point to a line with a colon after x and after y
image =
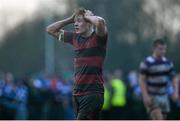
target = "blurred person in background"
x: 105, y: 115
x: 134, y: 97
x: 89, y: 41
x: 134, y: 83
x: 155, y: 73
x: 56, y: 99
x: 36, y: 99
x: 117, y: 96
x: 2, y: 74
x: 66, y: 92
x: 8, y: 99
x: 22, y: 96
x: 175, y: 105
x: 2, y: 82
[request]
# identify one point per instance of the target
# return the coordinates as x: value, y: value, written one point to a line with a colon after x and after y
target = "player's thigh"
x: 90, y: 106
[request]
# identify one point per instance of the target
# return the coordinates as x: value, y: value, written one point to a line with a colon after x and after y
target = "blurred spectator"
x: 175, y: 106
x: 105, y: 114
x: 22, y: 95
x: 2, y: 74
x: 118, y: 98
x: 35, y: 99
x: 8, y: 99
x: 66, y: 91
x: 1, y: 82
x: 134, y: 97
x: 134, y: 84
x: 56, y: 107
x: 49, y: 97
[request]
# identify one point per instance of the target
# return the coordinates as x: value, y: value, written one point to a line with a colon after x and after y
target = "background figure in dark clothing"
x: 22, y: 96
x: 35, y: 99
x: 56, y: 110
x: 134, y: 98
x: 8, y: 100
x: 175, y: 106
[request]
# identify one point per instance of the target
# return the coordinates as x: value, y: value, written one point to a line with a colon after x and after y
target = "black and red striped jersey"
x: 90, y: 53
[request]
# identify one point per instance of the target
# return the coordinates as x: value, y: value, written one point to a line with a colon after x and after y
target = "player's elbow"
x: 49, y: 30
x: 101, y: 29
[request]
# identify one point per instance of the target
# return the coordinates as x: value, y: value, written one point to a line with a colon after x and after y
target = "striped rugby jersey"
x: 159, y: 73
x: 90, y: 53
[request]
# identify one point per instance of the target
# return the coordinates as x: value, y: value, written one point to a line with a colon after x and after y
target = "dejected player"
x: 89, y: 41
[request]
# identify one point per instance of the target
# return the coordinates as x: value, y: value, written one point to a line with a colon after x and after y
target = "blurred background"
x: 36, y: 71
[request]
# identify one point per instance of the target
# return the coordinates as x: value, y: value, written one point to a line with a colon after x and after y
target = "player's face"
x: 81, y: 26
x: 9, y: 77
x: 160, y: 50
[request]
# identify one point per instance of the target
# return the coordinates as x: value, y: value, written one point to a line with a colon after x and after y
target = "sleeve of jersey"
x: 66, y: 36
x: 103, y: 40
x: 143, y: 68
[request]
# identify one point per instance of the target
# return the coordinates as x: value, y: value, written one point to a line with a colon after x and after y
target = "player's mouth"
x: 76, y: 29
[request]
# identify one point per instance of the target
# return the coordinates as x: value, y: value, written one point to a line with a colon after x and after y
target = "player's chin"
x: 78, y: 32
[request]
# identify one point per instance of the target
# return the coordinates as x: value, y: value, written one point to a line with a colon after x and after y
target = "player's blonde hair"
x: 81, y: 12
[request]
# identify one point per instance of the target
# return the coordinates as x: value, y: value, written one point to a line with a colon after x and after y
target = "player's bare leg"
x: 156, y: 114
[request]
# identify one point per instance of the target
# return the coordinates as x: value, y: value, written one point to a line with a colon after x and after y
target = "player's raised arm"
x: 54, y: 28
x: 97, y: 21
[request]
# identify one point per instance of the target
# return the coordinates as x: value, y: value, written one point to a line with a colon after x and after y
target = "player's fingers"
x: 88, y: 12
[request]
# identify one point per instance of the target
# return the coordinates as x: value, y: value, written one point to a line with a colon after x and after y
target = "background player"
x: 155, y: 73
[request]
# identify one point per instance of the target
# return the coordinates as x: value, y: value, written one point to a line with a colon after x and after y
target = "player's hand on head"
x: 89, y: 13
x: 73, y: 16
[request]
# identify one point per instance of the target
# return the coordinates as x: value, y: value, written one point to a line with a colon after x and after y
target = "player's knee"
x: 156, y: 114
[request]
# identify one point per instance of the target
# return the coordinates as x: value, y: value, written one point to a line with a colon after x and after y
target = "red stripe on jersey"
x: 90, y: 43
x: 89, y: 79
x: 96, y: 61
